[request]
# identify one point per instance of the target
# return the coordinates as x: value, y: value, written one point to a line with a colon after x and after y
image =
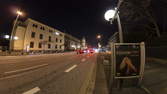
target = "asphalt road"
x: 44, y: 74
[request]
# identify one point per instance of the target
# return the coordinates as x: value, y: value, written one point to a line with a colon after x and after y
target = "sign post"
x: 128, y: 61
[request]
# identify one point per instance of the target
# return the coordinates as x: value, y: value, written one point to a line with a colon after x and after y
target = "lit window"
x: 57, y: 33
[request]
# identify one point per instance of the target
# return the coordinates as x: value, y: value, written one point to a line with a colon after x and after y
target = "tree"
x: 138, y: 13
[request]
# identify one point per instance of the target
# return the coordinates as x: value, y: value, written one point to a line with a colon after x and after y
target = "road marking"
x: 83, y: 60
x: 32, y: 91
x: 146, y: 90
x: 30, y: 68
x: 71, y: 68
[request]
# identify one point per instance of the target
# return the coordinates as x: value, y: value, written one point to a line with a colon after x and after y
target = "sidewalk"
x: 101, y: 82
x: 159, y: 60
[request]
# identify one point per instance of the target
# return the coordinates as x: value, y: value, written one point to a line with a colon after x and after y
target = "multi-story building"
x: 32, y: 35
x: 71, y: 42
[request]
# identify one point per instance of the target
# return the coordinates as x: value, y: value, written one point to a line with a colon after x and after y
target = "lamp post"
x: 98, y: 36
x: 110, y: 15
x: 12, y: 37
x: 99, y: 40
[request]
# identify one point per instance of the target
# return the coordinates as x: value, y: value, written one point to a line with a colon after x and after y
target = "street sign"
x: 128, y: 60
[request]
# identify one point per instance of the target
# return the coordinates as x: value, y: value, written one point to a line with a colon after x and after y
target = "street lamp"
x: 98, y: 36
x: 19, y: 13
x: 6, y: 36
x: 15, y: 38
x: 110, y: 15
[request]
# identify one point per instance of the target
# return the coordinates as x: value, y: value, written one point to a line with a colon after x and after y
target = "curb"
x: 89, y: 83
x: 159, y: 60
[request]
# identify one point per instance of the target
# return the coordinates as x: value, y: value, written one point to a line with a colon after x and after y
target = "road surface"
x: 62, y: 73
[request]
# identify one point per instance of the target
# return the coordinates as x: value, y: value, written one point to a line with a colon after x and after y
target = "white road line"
x: 69, y: 69
x: 32, y: 91
x: 25, y: 69
x: 146, y: 90
x: 83, y: 60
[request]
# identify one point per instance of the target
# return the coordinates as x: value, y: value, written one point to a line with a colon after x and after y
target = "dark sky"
x: 77, y: 17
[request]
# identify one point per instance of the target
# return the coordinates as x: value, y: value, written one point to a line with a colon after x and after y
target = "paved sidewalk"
x: 154, y: 82
x: 101, y: 82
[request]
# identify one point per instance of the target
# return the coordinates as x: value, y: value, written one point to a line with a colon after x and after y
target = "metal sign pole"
x: 142, y: 46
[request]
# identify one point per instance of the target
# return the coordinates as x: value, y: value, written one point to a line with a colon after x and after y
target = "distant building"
x: 71, y: 42
x: 83, y: 46
x: 32, y: 35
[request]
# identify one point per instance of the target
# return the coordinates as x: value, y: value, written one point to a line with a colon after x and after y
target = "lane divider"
x: 83, y: 60
x: 25, y: 69
x: 32, y: 91
x: 71, y: 68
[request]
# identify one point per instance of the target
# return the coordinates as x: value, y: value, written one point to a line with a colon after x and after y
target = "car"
x: 90, y: 50
x: 82, y: 51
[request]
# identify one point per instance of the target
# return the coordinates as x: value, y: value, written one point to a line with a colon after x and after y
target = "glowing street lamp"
x: 57, y: 33
x: 19, y: 13
x: 110, y: 16
x: 15, y: 38
x: 98, y: 36
x: 6, y: 36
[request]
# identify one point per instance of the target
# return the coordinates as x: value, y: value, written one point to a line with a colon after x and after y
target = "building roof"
x: 34, y: 21
x: 72, y: 37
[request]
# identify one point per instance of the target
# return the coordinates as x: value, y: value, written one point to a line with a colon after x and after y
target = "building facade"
x: 83, y: 43
x: 71, y: 43
x: 32, y: 35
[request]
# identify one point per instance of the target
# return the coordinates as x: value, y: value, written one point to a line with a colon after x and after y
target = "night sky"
x: 77, y: 17
x: 81, y: 18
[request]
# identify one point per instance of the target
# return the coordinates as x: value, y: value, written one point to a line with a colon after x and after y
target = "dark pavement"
x: 45, y: 74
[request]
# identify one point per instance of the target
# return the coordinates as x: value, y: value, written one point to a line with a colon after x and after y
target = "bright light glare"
x: 19, y: 12
x: 109, y: 14
x: 78, y: 46
x: 57, y: 33
x: 84, y: 51
x: 88, y: 51
x: 96, y: 50
x: 6, y: 36
x: 16, y: 38
x: 98, y: 36
x: 73, y: 46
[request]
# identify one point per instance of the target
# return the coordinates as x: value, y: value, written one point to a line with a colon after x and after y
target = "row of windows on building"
x: 41, y: 37
x: 43, y: 28
x: 40, y: 45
